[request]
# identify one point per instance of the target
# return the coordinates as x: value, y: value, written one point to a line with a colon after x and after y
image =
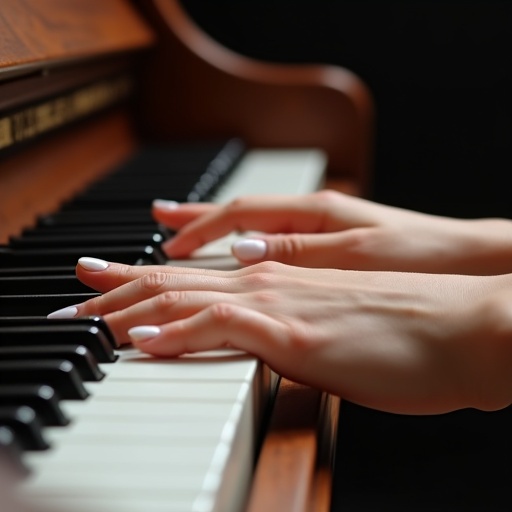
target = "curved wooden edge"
x: 294, y: 467
x: 197, y: 88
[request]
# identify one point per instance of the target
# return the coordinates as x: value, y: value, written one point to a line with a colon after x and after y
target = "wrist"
x: 489, y: 246
x: 488, y: 346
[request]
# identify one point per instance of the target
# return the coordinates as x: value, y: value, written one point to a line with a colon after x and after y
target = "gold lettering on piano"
x: 30, y: 122
x: 5, y: 132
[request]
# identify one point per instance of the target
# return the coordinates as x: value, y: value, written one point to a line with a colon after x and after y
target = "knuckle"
x: 263, y: 275
x: 94, y: 305
x: 326, y: 195
x: 166, y: 300
x: 358, y: 239
x: 124, y: 272
x: 266, y: 298
x: 290, y: 246
x: 360, y: 246
x: 222, y: 313
x: 235, y: 204
x: 326, y: 199
x: 268, y: 267
x: 299, y: 339
x: 154, y: 282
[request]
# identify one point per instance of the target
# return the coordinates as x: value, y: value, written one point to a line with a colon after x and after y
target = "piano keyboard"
x: 107, y: 429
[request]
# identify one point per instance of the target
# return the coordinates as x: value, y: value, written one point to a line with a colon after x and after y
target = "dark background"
x: 439, y: 73
x: 441, y: 79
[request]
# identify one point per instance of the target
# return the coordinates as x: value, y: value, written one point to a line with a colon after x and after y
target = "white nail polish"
x: 165, y: 205
x: 93, y: 264
x: 250, y: 249
x: 143, y: 332
x: 69, y: 312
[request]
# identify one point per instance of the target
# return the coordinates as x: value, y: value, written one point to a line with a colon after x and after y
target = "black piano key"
x: 59, y: 374
x: 11, y: 452
x: 121, y: 201
x: 87, y: 240
x: 13, y: 271
x: 40, y: 397
x: 39, y: 284
x: 39, y: 305
x: 77, y: 324
x: 97, y: 217
x: 103, y: 229
x: 65, y: 256
x: 63, y: 334
x: 79, y: 355
x: 23, y: 420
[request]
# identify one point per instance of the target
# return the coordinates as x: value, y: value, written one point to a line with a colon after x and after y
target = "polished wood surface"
x: 295, y: 464
x: 51, y: 31
x: 51, y: 48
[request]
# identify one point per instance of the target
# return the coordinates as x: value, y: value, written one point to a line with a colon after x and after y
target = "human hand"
x: 399, y: 342
x: 329, y: 229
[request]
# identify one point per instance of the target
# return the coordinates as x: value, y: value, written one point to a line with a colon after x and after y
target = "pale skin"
x: 328, y: 229
x: 405, y: 329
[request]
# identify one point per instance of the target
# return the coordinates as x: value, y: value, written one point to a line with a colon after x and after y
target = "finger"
x: 152, y: 285
x: 104, y: 275
x: 176, y: 215
x: 325, y: 250
x: 270, y: 214
x: 219, y: 326
x: 161, y: 309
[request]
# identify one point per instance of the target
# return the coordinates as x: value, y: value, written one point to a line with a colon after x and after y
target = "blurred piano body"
x: 96, y: 96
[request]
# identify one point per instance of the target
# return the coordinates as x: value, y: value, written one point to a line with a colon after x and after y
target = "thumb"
x: 302, y: 250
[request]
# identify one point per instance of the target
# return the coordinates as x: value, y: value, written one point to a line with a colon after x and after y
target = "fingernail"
x: 93, y: 264
x: 165, y: 205
x: 69, y: 312
x: 250, y: 249
x: 143, y: 332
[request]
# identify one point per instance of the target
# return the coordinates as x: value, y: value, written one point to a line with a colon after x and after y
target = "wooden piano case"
x: 84, y: 82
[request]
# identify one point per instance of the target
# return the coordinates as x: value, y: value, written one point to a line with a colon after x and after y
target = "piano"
x: 105, y: 106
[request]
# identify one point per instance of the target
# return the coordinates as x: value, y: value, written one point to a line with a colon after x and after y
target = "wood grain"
x: 44, y: 31
x: 294, y: 468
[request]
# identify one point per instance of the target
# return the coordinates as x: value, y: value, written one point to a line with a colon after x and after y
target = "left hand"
x: 328, y: 229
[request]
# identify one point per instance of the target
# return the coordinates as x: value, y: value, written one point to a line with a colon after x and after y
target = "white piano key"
x: 191, y: 391
x: 279, y: 171
x: 116, y: 455
x: 138, y: 483
x: 215, y: 366
x: 113, y: 429
x: 141, y: 409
